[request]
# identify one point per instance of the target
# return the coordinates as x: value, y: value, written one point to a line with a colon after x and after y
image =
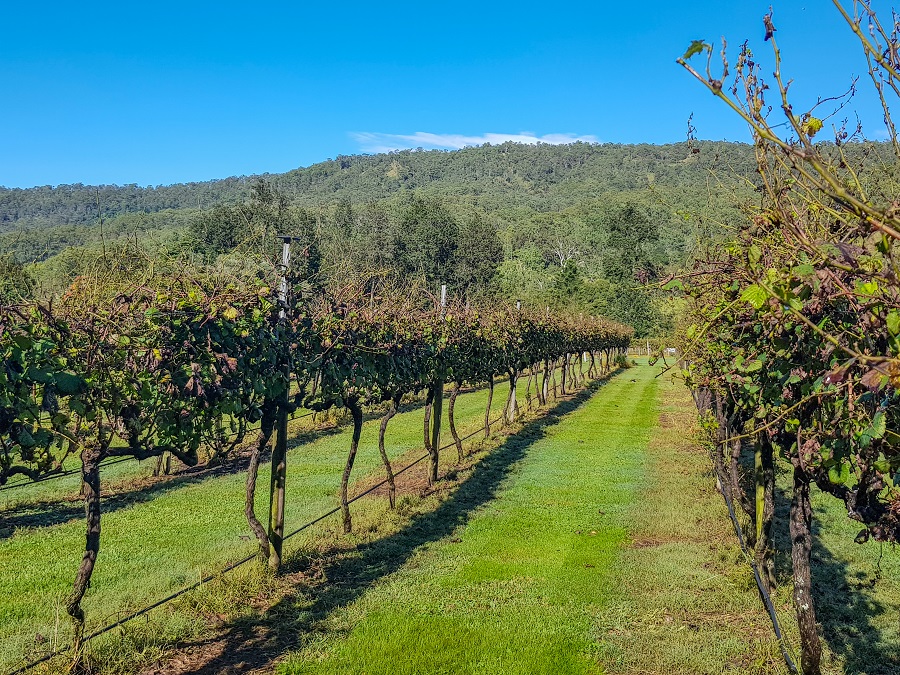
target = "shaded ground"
x: 856, y: 588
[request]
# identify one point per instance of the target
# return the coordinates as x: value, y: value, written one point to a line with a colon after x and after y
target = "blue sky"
x: 163, y: 92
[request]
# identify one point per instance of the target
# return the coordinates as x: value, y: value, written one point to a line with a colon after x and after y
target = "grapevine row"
x: 176, y: 365
x: 791, y: 333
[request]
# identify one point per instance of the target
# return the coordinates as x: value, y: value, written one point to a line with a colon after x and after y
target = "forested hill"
x: 581, y: 227
x: 539, y: 177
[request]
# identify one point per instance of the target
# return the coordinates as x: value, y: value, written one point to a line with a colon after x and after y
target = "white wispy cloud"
x: 377, y: 142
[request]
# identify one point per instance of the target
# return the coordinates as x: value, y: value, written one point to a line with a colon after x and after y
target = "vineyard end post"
x: 279, y: 452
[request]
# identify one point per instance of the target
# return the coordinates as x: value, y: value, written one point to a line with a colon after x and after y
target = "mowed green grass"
x: 518, y: 587
x: 182, y: 533
x: 20, y: 492
x: 684, y: 601
x: 588, y: 542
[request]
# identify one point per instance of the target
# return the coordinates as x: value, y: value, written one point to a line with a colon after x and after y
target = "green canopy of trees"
x: 585, y: 227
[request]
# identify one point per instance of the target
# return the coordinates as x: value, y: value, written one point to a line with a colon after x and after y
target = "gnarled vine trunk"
x: 528, y: 387
x: 702, y: 399
x: 452, y: 420
x: 267, y: 425
x: 511, y: 409
x: 553, y: 375
x: 429, y: 399
x: 543, y: 386
x: 801, y: 548
x: 163, y: 465
x: 438, y: 400
x: 718, y: 451
x: 562, y: 378
x: 764, y: 474
x: 737, y: 486
x: 356, y: 411
x: 385, y: 460
x: 90, y: 490
x: 487, y: 411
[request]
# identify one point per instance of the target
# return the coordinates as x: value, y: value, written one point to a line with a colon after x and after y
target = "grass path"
x: 684, y: 601
x: 602, y: 548
x: 517, y: 586
x: 591, y: 541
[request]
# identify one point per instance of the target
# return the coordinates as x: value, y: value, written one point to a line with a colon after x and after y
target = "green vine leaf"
x: 839, y: 474
x: 696, y: 47
x: 755, y: 295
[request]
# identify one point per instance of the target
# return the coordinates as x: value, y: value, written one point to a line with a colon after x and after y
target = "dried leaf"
x: 873, y: 380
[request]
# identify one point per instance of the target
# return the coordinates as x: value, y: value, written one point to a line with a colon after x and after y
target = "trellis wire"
x: 230, y: 566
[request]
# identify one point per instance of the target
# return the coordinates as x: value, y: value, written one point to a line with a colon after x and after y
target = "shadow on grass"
x: 249, y: 644
x: 847, y: 606
x: 129, y: 492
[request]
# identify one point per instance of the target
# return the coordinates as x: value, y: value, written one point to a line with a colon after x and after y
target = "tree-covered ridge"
x: 77, y: 204
x: 581, y: 227
x: 577, y: 227
x: 493, y: 176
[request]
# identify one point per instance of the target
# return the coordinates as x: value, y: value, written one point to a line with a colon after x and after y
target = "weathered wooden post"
x: 279, y: 453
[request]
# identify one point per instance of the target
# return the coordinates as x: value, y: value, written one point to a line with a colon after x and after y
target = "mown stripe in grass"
x: 685, y: 600
x: 514, y: 586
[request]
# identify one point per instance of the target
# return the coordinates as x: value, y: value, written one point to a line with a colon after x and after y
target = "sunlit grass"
x: 589, y: 543
x: 516, y: 588
x: 685, y: 601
